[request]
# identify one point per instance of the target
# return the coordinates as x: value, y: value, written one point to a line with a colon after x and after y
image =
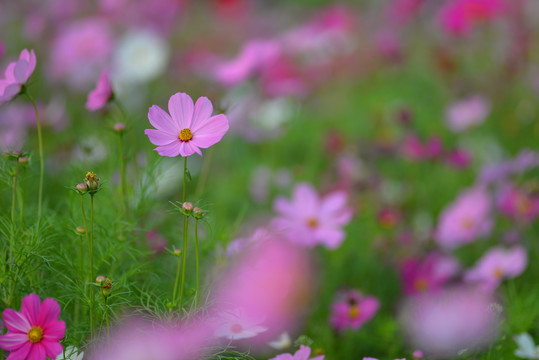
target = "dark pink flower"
x: 16, y: 75
x: 414, y: 149
x: 458, y: 158
x: 459, y: 17
x: 35, y: 332
x: 302, y: 354
x: 102, y: 93
x: 188, y: 127
x: 309, y: 219
x: 517, y: 204
x: 429, y: 274
x: 352, y: 309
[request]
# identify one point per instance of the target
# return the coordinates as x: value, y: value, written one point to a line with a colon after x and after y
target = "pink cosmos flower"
x: 467, y: 113
x: 414, y: 149
x: 466, y: 219
x: 517, y: 204
x: 429, y: 274
x: 188, y: 127
x: 458, y: 158
x: 458, y: 17
x: 302, y: 354
x: 16, y: 75
x: 235, y: 325
x: 102, y: 93
x: 309, y: 219
x: 498, y: 264
x: 35, y: 332
x: 525, y: 160
x: 352, y: 310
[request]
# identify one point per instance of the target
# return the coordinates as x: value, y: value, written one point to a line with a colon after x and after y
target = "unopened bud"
x: 82, y: 188
x: 187, y: 207
x: 92, y: 181
x: 81, y: 230
x: 177, y: 252
x: 198, y: 213
x: 119, y: 128
x: 106, y: 287
x: 23, y: 160
x: 100, y: 279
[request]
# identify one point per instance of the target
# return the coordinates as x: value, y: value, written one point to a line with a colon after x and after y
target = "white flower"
x: 526, y: 347
x: 283, y: 342
x: 140, y: 56
x: 71, y: 353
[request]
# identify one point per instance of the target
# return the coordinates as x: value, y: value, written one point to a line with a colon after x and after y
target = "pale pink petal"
x: 303, y: 353
x: 202, y: 112
x: 284, y: 207
x: 331, y: 238
x: 343, y: 217
x: 32, y: 62
x: 52, y: 348
x: 318, y: 357
x: 170, y: 150
x: 186, y: 149
x: 180, y: 107
x: 49, y: 312
x: 162, y: 121
x: 22, y: 353
x: 157, y: 137
x: 333, y: 202
x: 306, y: 196
x: 10, y: 72
x: 37, y: 352
x: 13, y: 340
x: 195, y: 148
x: 16, y: 321
x: 54, y: 331
x: 211, y: 131
x: 283, y: 357
x: 21, y: 71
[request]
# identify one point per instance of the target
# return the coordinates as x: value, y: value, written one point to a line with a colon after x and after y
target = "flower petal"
x: 202, y: 112
x: 186, y: 149
x: 49, y: 312
x: 22, y: 353
x: 21, y: 71
x: 162, y: 121
x: 16, y: 321
x: 30, y: 57
x: 170, y: 150
x: 52, y: 348
x: 13, y: 340
x: 211, y: 132
x: 54, y: 331
x: 180, y: 107
x: 37, y: 352
x: 303, y: 353
x: 157, y: 137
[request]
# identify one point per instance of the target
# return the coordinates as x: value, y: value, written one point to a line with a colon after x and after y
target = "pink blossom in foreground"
x: 309, y: 219
x: 442, y: 324
x: 352, y: 309
x: 467, y: 113
x: 35, y: 332
x: 302, y: 354
x: 102, y: 93
x: 517, y: 204
x: 465, y: 220
x: 188, y: 127
x: 498, y: 264
x: 429, y: 274
x: 459, y: 17
x: 16, y: 75
x: 236, y: 324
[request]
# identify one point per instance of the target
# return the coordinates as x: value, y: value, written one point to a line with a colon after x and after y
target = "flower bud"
x: 82, y: 188
x: 100, y: 279
x: 187, y: 207
x: 92, y: 181
x: 198, y: 213
x: 178, y: 252
x: 23, y: 160
x: 106, y: 287
x: 81, y: 230
x: 119, y: 128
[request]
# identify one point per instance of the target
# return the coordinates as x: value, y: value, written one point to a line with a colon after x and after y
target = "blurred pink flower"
x: 239, y: 245
x: 429, y: 274
x: 352, y: 309
x: 35, y: 332
x: 13, y: 133
x: 467, y: 113
x: 309, y: 219
x: 16, y: 75
x: 188, y: 127
x: 282, y: 78
x: 236, y: 325
x: 155, y: 241
x: 442, y: 324
x: 102, y: 93
x: 400, y: 12
x: 466, y: 219
x: 498, y: 264
x: 388, y: 217
x: 414, y: 149
x: 459, y: 17
x: 302, y: 354
x: 458, y: 158
x: 525, y: 160
x: 517, y: 204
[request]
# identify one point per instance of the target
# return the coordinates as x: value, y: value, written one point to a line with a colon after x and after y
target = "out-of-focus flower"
x: 459, y: 17
x: 525, y: 160
x: 467, y: 113
x: 236, y: 325
x: 71, y: 353
x: 139, y: 57
x: 302, y: 354
x: 466, y: 219
x: 90, y: 150
x: 102, y: 93
x: 237, y: 246
x: 156, y: 242
x: 188, y: 127
x: 498, y: 264
x: 444, y: 323
x: 80, y: 51
x: 35, y: 332
x: 517, y: 204
x: 458, y: 158
x: 16, y: 75
x: 282, y: 78
x: 414, y: 149
x: 352, y: 309
x: 526, y: 347
x: 400, y: 12
x: 282, y: 342
x: 428, y: 275
x: 309, y: 219
x: 418, y: 355
x: 388, y: 217
x: 13, y: 133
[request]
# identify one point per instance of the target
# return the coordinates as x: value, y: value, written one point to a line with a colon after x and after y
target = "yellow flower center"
x: 498, y: 273
x: 236, y: 328
x: 467, y: 223
x: 353, y: 312
x: 421, y: 284
x: 35, y: 334
x: 312, y: 223
x: 185, y: 134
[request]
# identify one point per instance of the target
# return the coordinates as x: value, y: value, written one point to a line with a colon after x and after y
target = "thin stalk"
x: 122, y: 175
x: 92, y: 237
x: 184, y: 177
x: 184, y: 251
x: 106, y: 315
x: 13, y: 200
x: 23, y: 196
x: 196, y: 251
x: 90, y: 249
x: 176, y: 280
x: 41, y: 160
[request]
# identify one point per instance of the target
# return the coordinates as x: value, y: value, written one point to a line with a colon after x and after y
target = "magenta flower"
x: 188, y: 127
x: 102, y: 93
x: 466, y: 219
x: 498, y: 264
x: 35, y: 332
x: 459, y: 17
x: 414, y: 149
x: 16, y: 75
x: 458, y: 158
x: 517, y: 204
x: 352, y: 310
x: 302, y: 354
x: 309, y: 219
x: 429, y: 274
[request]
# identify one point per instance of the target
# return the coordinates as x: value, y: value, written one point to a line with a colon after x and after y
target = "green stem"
x: 41, y: 160
x: 196, y: 250
x: 184, y: 177
x: 122, y: 175
x: 184, y: 251
x: 13, y: 200
x: 91, y: 261
x: 106, y: 315
x: 23, y: 196
x: 176, y: 280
